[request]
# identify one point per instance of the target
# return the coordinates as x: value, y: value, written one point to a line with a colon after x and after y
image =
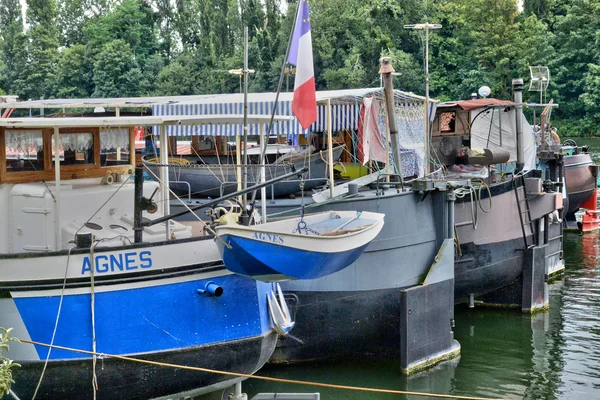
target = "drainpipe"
x: 517, y: 85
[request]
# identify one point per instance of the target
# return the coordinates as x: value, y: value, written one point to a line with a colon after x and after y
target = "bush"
x: 6, y: 365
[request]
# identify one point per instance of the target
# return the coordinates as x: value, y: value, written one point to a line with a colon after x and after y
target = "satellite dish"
x: 484, y: 91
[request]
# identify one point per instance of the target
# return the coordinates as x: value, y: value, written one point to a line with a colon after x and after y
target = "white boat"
x: 73, y: 274
x: 298, y: 248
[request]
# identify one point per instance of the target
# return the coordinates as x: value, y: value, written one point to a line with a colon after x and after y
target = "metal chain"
x: 302, y: 224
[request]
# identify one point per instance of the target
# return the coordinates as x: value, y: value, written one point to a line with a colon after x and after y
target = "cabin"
x: 60, y: 177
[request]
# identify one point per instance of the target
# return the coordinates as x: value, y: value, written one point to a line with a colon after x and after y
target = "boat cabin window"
x: 114, y: 147
x: 448, y: 122
x: 75, y: 148
x: 84, y: 152
x: 24, y: 150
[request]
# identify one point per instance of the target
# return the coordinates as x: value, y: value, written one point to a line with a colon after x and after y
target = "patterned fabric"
x: 114, y: 138
x: 411, y: 137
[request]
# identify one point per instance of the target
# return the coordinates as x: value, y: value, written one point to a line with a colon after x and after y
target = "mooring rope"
x: 258, y: 377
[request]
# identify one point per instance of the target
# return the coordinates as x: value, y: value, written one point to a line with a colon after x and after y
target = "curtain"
x: 114, y: 138
x: 25, y: 141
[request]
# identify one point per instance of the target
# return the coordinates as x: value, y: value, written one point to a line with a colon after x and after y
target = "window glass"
x: 448, y: 122
x: 114, y: 147
x: 75, y: 148
x: 24, y: 150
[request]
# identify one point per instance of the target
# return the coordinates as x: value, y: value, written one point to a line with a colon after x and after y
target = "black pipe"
x: 223, y: 198
x: 138, y: 193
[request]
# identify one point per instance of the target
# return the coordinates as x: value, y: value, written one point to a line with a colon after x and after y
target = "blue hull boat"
x: 298, y: 248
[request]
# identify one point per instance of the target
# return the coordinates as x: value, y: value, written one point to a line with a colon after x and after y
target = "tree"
x: 71, y: 79
x: 11, y: 40
x: 572, y: 66
x: 38, y: 58
x: 116, y: 73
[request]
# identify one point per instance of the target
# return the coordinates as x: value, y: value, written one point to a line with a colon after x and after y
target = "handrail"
x: 223, y: 198
x: 189, y: 196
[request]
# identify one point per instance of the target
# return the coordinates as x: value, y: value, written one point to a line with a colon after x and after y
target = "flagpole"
x: 281, y: 75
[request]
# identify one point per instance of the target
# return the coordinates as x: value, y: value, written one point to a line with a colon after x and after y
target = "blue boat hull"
x: 166, y: 320
x: 274, y: 262
x: 126, y: 380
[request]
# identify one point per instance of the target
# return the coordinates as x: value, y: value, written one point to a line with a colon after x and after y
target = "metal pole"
x: 164, y: 175
x: 57, y: 186
x: 330, y: 149
x: 450, y: 198
x: 245, y: 183
x: 263, y: 190
x: 226, y: 197
x: 426, y: 26
x: 138, y: 191
x: 426, y: 98
x: 517, y: 85
x: 238, y: 160
x: 287, y: 55
x: 388, y: 89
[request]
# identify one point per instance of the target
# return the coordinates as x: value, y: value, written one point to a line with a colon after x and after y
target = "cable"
x: 62, y: 293
x: 260, y: 377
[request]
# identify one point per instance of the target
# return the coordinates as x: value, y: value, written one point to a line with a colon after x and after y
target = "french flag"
x: 304, y: 105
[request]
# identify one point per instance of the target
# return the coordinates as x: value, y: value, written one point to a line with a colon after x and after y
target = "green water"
x: 505, y: 354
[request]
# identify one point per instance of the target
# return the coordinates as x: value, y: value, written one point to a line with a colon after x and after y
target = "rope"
x: 62, y: 295
x: 172, y: 161
x: 206, y: 226
x: 260, y: 377
x: 103, y: 204
x: 93, y: 306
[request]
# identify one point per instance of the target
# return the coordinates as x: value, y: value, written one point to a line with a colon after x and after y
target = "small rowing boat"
x: 307, y: 247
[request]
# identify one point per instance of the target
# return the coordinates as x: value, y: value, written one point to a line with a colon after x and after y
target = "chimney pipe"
x: 517, y: 85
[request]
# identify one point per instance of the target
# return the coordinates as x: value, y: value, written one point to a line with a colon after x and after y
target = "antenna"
x: 540, y: 78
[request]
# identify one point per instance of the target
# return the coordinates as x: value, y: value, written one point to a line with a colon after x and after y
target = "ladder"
x: 524, y: 212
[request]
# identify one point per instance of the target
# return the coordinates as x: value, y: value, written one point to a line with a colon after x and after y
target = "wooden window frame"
x: 67, y: 172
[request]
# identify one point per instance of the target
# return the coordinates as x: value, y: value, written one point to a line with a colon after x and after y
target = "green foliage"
x: 6, y: 365
x: 116, y: 73
x: 79, y: 48
x: 71, y: 79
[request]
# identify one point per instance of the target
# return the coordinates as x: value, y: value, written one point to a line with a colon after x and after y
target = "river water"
x: 505, y: 354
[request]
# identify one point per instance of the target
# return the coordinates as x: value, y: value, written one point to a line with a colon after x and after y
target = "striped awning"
x: 343, y: 117
x: 345, y: 112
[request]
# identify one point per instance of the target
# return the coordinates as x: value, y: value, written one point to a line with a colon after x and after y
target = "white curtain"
x: 114, y: 138
x: 75, y: 141
x: 26, y: 141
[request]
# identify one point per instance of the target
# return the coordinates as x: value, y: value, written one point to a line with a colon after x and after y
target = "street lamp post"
x: 426, y: 27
